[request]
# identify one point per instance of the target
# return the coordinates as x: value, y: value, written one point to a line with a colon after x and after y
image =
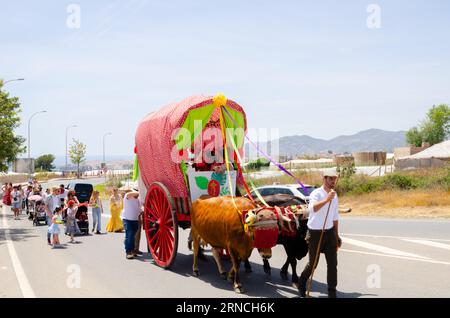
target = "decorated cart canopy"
x: 158, y: 137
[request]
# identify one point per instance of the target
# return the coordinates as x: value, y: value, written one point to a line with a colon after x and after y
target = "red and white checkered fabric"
x: 154, y: 143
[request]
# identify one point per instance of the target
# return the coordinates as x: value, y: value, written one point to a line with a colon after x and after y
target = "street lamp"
x: 29, y: 147
x: 67, y: 130
x: 104, y: 160
x: 13, y: 80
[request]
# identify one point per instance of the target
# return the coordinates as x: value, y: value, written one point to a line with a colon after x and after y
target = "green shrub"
x: 399, y: 181
x: 358, y: 184
x: 346, y: 170
x: 258, y: 164
x: 438, y: 179
x: 444, y: 181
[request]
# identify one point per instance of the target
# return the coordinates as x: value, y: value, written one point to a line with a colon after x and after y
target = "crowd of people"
x: 17, y: 196
x: 61, y: 206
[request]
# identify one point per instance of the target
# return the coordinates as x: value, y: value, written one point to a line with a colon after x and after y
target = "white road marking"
x: 393, y: 256
x: 22, y: 279
x: 381, y: 249
x: 429, y: 243
x: 397, y: 237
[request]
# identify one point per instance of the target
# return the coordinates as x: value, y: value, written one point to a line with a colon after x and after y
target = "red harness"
x: 267, y: 237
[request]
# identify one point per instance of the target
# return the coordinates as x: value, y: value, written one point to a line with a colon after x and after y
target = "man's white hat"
x: 330, y: 173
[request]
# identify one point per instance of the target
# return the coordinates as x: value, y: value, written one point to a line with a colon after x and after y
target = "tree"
x: 434, y: 129
x: 45, y: 162
x: 77, y: 154
x: 414, y: 137
x: 11, y: 145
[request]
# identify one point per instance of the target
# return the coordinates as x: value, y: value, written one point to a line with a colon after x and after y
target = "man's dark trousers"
x: 328, y: 247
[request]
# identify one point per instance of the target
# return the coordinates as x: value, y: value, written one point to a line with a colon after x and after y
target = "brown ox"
x: 217, y: 223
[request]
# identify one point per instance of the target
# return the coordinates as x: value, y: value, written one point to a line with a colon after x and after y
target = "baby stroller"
x: 82, y: 218
x: 39, y: 214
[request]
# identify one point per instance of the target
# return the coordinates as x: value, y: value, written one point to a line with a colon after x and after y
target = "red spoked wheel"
x: 160, y: 225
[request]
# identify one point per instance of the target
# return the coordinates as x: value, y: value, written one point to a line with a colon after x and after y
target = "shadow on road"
x: 323, y: 290
x: 18, y: 235
x: 256, y: 284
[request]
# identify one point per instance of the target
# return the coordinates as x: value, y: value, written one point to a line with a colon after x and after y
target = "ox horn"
x: 284, y: 218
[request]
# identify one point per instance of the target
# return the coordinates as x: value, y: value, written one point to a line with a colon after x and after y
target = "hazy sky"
x: 305, y: 67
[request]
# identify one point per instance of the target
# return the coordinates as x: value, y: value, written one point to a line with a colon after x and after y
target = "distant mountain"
x: 367, y: 140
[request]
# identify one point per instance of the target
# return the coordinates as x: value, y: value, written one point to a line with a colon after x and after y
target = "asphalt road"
x: 379, y: 258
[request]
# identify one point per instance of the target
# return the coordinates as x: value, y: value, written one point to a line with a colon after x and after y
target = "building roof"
x: 438, y: 151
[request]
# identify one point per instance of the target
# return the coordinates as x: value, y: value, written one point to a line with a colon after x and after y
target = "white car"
x: 291, y: 189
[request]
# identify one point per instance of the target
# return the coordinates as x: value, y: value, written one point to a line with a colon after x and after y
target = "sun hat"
x: 330, y: 173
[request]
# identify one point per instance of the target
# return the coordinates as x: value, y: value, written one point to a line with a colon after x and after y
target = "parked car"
x: 83, y: 191
x: 291, y: 189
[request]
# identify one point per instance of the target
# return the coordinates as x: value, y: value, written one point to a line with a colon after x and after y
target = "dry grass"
x: 14, y: 179
x: 418, y: 203
x: 306, y: 176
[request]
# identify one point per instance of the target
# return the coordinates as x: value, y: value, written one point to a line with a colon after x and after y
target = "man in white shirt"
x: 323, y: 200
x: 130, y: 215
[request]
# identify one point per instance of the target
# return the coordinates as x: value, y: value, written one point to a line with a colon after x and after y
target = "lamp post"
x: 13, y: 80
x: 9, y: 81
x: 104, y: 159
x: 29, y: 144
x: 67, y: 130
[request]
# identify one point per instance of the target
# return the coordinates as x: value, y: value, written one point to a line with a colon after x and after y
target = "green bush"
x: 420, y: 179
x: 398, y: 181
x: 438, y: 179
x: 346, y: 170
x: 358, y: 184
x: 258, y: 164
x: 444, y: 181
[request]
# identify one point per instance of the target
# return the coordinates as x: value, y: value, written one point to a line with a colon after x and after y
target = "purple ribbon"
x: 268, y: 156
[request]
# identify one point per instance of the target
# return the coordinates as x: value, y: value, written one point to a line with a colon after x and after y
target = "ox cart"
x: 177, y: 148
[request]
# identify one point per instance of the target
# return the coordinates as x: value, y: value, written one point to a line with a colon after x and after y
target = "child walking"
x: 54, y: 227
x: 16, y: 202
x: 71, y: 224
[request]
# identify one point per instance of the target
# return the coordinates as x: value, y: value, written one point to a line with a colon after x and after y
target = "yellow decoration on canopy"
x: 220, y: 100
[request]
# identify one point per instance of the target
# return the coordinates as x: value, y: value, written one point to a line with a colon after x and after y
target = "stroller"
x: 82, y: 219
x: 38, y: 212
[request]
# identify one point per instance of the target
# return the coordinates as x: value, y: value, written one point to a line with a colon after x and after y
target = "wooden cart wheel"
x: 161, y: 225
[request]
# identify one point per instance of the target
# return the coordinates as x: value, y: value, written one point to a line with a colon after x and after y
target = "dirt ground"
x: 407, y: 204
x: 421, y: 212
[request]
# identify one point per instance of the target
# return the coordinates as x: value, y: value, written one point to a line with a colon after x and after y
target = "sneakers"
x: 137, y: 253
x: 130, y: 256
